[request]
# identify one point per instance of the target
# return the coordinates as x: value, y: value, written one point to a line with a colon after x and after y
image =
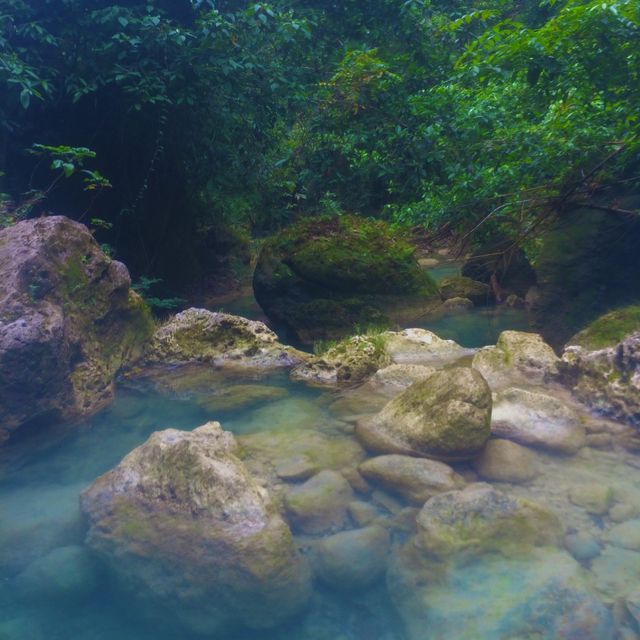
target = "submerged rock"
x: 478, y: 519
x: 601, y: 365
x: 189, y: 535
x: 241, y: 396
x: 348, y: 362
x: 462, y: 287
x: 353, y: 560
x: 542, y: 595
x: 517, y: 357
x: 506, y: 461
x: 537, y: 419
x: 216, y: 338
x: 445, y: 417
x: 320, y: 504
x: 322, y: 276
x: 66, y: 573
x: 414, y: 479
x: 69, y: 322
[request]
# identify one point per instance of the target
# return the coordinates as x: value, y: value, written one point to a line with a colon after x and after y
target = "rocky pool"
x: 535, y: 541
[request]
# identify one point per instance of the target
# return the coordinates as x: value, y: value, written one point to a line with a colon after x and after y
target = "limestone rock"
x: 537, y: 419
x: 517, y: 357
x: 480, y: 518
x: 414, y: 479
x: 445, y: 417
x: 397, y: 377
x: 582, y: 546
x: 349, y: 362
x: 601, y: 365
x: 69, y: 322
x: 420, y: 346
x: 506, y: 461
x: 353, y: 560
x: 542, y: 595
x: 198, y: 335
x: 462, y: 287
x: 320, y: 504
x: 456, y: 305
x: 183, y: 506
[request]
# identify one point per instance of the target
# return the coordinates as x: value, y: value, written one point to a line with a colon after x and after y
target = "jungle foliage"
x: 208, y: 115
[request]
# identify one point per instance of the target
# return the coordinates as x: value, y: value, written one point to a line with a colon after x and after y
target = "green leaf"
x: 25, y: 98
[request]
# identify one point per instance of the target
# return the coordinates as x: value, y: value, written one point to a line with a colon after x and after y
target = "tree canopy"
x: 170, y: 122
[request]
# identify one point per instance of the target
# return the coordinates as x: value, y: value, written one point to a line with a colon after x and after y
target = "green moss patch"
x: 609, y: 329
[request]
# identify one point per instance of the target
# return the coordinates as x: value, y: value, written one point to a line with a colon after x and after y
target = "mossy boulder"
x: 219, y: 339
x: 69, y: 322
x: 446, y: 417
x: 191, y: 537
x: 462, y: 287
x: 601, y: 365
x: 322, y: 276
x: 518, y: 357
x: 480, y: 519
x: 350, y: 361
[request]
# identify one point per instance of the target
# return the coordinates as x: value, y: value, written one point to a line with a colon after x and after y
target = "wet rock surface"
x: 69, y: 322
x: 183, y: 504
x: 445, y: 417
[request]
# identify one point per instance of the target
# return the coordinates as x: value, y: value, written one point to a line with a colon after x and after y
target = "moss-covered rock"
x: 446, y: 417
x: 518, y: 356
x: 462, y: 287
x: 608, y: 330
x: 69, y: 322
x: 190, y: 536
x: 220, y: 339
x: 601, y: 365
x: 323, y: 276
x: 480, y: 519
x: 350, y: 361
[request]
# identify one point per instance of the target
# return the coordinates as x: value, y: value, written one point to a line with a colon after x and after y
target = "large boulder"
x: 68, y: 322
x: 601, y: 365
x: 517, y: 357
x: 189, y: 535
x: 219, y: 339
x: 446, y: 417
x: 421, y: 346
x: 537, y: 419
x: 321, y: 277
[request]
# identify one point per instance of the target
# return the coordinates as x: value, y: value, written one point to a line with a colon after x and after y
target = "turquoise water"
x: 478, y: 326
x: 43, y: 472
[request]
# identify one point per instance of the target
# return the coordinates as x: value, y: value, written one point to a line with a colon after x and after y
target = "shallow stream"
x: 43, y: 472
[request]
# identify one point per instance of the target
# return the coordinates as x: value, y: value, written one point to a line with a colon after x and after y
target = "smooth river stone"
x: 626, y: 535
x: 414, y: 479
x: 354, y: 559
x: 506, y: 461
x: 537, y: 419
x: 320, y: 504
x: 594, y: 498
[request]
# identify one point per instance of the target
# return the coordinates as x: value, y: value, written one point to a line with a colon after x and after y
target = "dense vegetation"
x: 174, y: 127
